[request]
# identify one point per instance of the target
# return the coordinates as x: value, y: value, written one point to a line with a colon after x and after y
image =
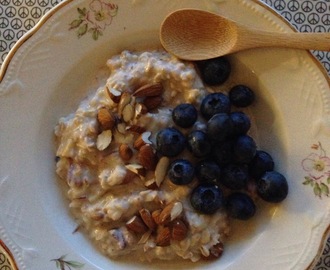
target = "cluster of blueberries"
x: 228, y: 158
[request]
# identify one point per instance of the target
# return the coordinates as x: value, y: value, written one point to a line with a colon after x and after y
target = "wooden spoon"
x: 193, y: 34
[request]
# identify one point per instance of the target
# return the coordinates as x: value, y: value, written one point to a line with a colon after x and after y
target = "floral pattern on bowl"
x: 94, y: 19
x: 317, y: 166
x: 63, y: 264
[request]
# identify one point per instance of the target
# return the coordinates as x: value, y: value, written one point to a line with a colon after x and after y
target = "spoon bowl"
x: 193, y: 34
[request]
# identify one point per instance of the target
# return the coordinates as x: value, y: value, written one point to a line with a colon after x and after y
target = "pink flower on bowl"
x: 95, y: 19
x: 101, y: 13
x: 317, y: 166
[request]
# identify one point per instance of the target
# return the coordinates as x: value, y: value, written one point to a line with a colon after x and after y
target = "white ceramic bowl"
x: 45, y: 77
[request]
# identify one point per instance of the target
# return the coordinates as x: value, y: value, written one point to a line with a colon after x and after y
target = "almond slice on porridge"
x: 145, y: 214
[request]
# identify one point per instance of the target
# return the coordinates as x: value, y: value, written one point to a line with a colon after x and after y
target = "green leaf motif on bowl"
x: 63, y: 264
x: 317, y: 167
x: 94, y: 19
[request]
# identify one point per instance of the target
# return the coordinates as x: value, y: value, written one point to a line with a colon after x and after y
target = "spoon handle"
x: 309, y: 41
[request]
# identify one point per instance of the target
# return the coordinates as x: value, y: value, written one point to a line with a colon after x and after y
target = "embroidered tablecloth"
x: 19, y: 16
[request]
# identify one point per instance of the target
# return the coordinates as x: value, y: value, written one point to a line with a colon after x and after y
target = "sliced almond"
x: 147, y: 219
x: 179, y: 230
x: 143, y: 139
x: 152, y: 102
x: 151, y: 184
x: 140, y: 109
x: 136, y: 129
x: 147, y: 157
x: 144, y: 238
x: 121, y: 127
x: 125, y: 152
x: 104, y: 139
x: 136, y: 225
x: 163, y: 237
x: 170, y: 212
x: 137, y: 169
x: 149, y: 90
x: 106, y: 118
x: 161, y: 170
x: 124, y: 100
x: 114, y: 94
x: 128, y: 112
x: 177, y: 210
x: 156, y: 216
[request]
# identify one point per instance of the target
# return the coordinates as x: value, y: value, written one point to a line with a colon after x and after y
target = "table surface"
x: 19, y: 16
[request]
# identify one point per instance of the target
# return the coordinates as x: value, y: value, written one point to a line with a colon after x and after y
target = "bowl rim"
x: 52, y: 11
x: 6, y: 63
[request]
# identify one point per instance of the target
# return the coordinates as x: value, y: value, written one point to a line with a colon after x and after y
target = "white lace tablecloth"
x: 18, y: 16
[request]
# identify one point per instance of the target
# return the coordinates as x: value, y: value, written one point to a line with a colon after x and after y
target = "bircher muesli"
x: 157, y: 165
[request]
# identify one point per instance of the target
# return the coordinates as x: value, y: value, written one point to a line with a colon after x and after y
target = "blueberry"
x: 208, y: 171
x: 272, y: 187
x: 219, y: 127
x: 222, y: 152
x: 240, y: 206
x: 241, y: 123
x: 214, y: 71
x: 261, y: 163
x: 198, y: 143
x: 244, y: 149
x: 214, y: 103
x: 170, y: 142
x: 206, y: 198
x: 181, y: 172
x: 235, y: 176
x: 241, y: 96
x: 184, y: 115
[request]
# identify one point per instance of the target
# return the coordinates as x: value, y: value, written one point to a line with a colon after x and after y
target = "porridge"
x: 118, y: 154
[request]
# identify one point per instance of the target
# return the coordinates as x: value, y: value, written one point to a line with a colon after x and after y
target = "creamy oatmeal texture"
x: 117, y: 186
